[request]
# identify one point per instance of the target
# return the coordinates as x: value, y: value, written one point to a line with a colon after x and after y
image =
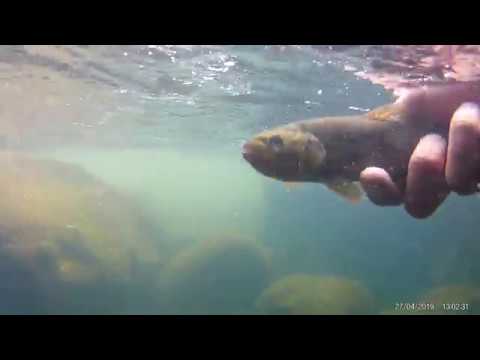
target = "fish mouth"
x: 286, y: 168
x: 256, y: 160
x: 248, y: 153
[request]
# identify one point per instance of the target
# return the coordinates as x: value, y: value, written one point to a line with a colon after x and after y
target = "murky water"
x: 124, y: 191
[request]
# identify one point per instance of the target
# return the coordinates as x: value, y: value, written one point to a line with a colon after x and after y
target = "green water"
x: 134, y: 199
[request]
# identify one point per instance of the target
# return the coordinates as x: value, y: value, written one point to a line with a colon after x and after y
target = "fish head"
x: 285, y: 153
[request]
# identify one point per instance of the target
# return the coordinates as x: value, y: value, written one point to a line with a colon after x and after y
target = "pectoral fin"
x: 347, y: 190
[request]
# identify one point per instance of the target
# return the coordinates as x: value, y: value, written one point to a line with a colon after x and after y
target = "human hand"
x: 436, y: 166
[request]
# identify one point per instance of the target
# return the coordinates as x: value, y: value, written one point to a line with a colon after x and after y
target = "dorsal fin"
x: 389, y: 112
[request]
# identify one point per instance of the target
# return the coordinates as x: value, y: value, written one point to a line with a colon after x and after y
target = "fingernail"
x: 469, y: 108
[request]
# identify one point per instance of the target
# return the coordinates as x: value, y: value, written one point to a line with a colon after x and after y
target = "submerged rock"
x: 74, y: 240
x: 175, y: 189
x: 453, y: 299
x: 303, y: 294
x: 443, y: 300
x: 217, y: 277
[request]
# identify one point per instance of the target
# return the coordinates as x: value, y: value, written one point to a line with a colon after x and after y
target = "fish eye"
x: 276, y: 142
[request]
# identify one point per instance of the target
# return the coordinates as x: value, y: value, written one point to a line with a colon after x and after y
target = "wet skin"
x: 437, y: 165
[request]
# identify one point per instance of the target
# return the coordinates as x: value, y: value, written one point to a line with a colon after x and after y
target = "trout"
x: 335, y: 150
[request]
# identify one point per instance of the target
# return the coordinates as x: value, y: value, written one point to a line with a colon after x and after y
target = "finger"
x: 426, y: 185
x: 436, y: 104
x: 463, y: 154
x: 380, y: 188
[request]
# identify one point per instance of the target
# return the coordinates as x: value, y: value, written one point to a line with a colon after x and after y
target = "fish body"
x: 335, y: 150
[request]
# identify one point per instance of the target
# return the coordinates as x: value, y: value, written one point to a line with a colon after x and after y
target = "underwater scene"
x: 181, y: 180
